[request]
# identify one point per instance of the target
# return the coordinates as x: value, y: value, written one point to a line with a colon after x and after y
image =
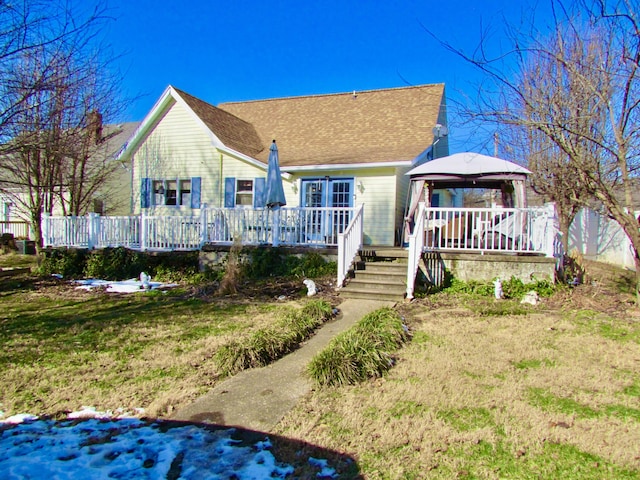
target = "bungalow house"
x: 337, y: 150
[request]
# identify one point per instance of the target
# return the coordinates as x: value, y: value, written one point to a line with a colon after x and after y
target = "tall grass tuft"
x: 233, y: 269
x: 362, y: 352
x: 268, y: 344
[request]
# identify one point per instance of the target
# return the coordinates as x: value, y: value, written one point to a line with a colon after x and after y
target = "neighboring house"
x: 336, y: 150
x: 114, y: 197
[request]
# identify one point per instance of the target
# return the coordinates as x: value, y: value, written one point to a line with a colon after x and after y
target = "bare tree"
x: 56, y: 86
x: 576, y: 92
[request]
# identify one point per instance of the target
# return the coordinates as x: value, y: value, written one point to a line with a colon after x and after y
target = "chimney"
x: 95, y: 126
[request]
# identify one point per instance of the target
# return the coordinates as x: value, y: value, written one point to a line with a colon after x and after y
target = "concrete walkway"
x: 259, y: 398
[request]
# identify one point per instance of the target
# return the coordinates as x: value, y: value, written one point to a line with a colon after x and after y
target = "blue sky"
x: 248, y: 49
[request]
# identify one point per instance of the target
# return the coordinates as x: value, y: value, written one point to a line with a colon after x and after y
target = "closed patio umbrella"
x: 275, y: 190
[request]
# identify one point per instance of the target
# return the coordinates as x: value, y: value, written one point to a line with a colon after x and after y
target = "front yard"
x: 485, y: 388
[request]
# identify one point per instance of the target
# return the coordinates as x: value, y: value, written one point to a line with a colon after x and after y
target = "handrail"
x: 416, y: 245
x: 254, y: 226
x: 349, y: 243
x: 487, y: 230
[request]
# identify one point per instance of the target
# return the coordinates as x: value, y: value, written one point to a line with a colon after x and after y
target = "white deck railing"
x: 349, y: 244
x: 480, y: 230
x: 285, y: 226
x: 502, y: 230
x: 17, y: 229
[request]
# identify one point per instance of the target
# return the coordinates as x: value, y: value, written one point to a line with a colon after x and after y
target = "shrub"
x: 512, y: 288
x: 115, y: 264
x: 118, y: 264
x: 362, y: 352
x: 268, y: 344
x: 69, y: 263
x: 313, y: 265
x: 275, y: 262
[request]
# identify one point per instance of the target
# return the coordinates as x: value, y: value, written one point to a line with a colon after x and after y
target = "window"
x: 176, y: 192
x: 172, y: 192
x: 185, y: 192
x: 244, y: 193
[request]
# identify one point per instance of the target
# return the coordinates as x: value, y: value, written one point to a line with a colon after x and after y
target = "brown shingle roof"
x: 234, y: 132
x: 375, y: 126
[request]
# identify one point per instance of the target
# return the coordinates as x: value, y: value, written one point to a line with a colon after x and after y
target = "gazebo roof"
x: 468, y: 166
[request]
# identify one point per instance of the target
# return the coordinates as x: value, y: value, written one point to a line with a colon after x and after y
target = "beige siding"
x: 179, y: 148
x: 380, y: 201
x: 402, y: 192
x: 378, y: 196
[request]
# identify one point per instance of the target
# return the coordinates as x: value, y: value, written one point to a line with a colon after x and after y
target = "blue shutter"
x: 229, y: 192
x: 259, y: 192
x: 145, y: 193
x: 195, y: 192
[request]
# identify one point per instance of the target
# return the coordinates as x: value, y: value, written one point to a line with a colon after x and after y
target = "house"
x: 337, y: 150
x: 112, y: 196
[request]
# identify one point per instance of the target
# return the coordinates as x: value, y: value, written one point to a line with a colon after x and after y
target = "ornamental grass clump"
x: 268, y: 344
x: 362, y: 352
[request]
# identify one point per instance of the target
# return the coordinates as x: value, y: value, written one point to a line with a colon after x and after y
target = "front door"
x: 327, y: 200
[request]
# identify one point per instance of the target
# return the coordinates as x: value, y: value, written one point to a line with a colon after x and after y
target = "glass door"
x: 328, y: 200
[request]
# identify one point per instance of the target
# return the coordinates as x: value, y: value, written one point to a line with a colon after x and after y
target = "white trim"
x: 250, y: 160
x: 148, y: 121
x: 153, y: 116
x: 347, y: 166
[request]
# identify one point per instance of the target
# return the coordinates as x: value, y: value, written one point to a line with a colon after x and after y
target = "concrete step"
x: 378, y: 275
x: 376, y: 285
x: 381, y: 267
x: 392, y: 277
x: 367, y: 294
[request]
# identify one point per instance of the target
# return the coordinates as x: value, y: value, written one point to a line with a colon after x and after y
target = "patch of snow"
x: 130, y: 448
x: 124, y: 286
x: 19, y: 418
x: 323, y: 465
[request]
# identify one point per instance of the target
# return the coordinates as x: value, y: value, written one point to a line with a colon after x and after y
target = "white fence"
x: 481, y: 230
x: 284, y: 226
x: 600, y: 238
x: 17, y: 229
x: 499, y: 230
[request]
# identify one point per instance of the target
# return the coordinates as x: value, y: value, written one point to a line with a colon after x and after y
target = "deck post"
x: 275, y: 229
x: 93, y: 233
x: 46, y: 230
x: 143, y: 232
x: 204, y: 229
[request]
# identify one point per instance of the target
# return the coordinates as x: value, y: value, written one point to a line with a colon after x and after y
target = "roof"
x: 468, y: 165
x: 115, y: 137
x: 234, y: 132
x: 374, y: 126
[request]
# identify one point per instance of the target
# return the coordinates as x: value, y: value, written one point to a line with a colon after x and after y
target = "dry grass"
x: 62, y: 348
x: 552, y: 393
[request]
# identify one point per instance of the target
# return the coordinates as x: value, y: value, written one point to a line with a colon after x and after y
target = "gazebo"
x: 505, y: 227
